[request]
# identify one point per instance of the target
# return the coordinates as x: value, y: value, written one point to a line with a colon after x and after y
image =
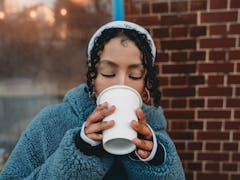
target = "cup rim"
x: 120, y: 87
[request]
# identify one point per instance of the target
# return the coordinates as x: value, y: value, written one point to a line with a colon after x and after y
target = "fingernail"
x: 134, y: 122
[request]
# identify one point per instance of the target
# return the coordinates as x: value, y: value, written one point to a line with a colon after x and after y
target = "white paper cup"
x: 118, y: 139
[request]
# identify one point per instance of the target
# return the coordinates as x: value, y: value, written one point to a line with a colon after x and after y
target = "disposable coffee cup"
x: 118, y: 139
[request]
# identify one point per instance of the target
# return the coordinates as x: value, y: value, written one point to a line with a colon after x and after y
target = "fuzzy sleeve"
x: 171, y: 168
x: 38, y: 155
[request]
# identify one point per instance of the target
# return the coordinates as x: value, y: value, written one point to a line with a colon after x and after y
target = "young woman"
x: 64, y: 141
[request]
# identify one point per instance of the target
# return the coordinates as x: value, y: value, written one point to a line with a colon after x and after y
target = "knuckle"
x: 103, y: 125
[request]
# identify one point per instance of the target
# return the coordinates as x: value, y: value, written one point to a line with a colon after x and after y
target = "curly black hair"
x: 151, y: 81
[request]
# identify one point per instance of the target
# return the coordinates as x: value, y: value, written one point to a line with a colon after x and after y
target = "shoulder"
x: 155, y: 117
x: 50, y: 116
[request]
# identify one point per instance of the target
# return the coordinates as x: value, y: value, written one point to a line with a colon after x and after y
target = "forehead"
x: 121, y: 50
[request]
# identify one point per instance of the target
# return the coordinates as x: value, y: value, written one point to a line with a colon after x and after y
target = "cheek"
x: 139, y: 88
x: 100, y: 85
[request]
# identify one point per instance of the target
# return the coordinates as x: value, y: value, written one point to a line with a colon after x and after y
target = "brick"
x: 178, y: 125
x: 217, y: 175
x: 212, y: 166
x: 178, y: 92
x: 238, y: 65
x: 178, y: 44
x: 230, y: 167
x: 237, y: 114
x: 179, y: 103
x: 234, y: 29
x: 179, y: 31
x: 236, y: 136
x: 230, y: 146
x: 213, y: 157
x: 177, y: 69
x: 196, y: 80
x: 189, y: 175
x: 178, y: 80
x: 145, y: 20
x: 197, y: 31
x: 180, y: 146
x: 217, y: 43
x: 216, y: 67
x: 186, y: 155
x: 235, y: 176
x: 235, y: 4
x: 214, y: 114
x: 145, y: 8
x: 157, y: 69
x: 238, y: 91
x: 195, y: 146
x: 215, y: 103
x: 233, y: 102
x: 215, y: 91
x: 196, y: 5
x: 216, y: 80
x: 236, y: 157
x: 195, y: 125
x: 212, y: 146
x: 164, y: 103
x: 216, y: 17
x: 179, y: 6
x: 160, y: 7
x: 179, y: 56
x: 232, y: 125
x: 234, y: 79
x: 161, y: 32
x: 179, y: 114
x: 176, y: 135
x: 162, y: 57
x: 194, y: 103
x: 195, y: 166
x: 218, y: 30
x: 179, y: 19
x: 217, y: 55
x: 164, y: 81
x: 216, y: 4
x: 197, y: 55
x: 213, y: 135
x: 234, y: 55
x: 214, y: 125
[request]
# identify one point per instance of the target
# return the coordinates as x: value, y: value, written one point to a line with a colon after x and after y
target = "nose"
x: 122, y: 79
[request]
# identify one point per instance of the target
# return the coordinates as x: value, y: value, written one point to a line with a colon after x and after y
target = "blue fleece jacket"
x: 47, y: 149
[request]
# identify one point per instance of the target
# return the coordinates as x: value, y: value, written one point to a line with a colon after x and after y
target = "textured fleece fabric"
x: 47, y: 149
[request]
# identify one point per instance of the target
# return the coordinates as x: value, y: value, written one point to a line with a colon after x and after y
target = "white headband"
x: 124, y: 25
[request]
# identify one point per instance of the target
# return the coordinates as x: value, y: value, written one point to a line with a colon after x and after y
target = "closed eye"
x: 135, y: 78
x: 108, y: 75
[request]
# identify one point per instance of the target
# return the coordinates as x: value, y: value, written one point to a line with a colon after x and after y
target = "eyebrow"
x: 110, y: 63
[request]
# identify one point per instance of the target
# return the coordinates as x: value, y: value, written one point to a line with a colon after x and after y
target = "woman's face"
x: 120, y: 64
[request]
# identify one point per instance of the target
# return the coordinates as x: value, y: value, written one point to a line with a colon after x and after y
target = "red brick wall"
x: 198, y: 56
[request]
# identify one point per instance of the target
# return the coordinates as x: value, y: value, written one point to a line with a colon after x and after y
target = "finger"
x: 95, y: 136
x: 141, y: 116
x: 143, y: 154
x: 142, y: 129
x: 99, y: 113
x: 99, y: 127
x: 143, y: 144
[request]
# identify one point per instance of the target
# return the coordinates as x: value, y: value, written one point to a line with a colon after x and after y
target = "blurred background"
x: 42, y: 55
